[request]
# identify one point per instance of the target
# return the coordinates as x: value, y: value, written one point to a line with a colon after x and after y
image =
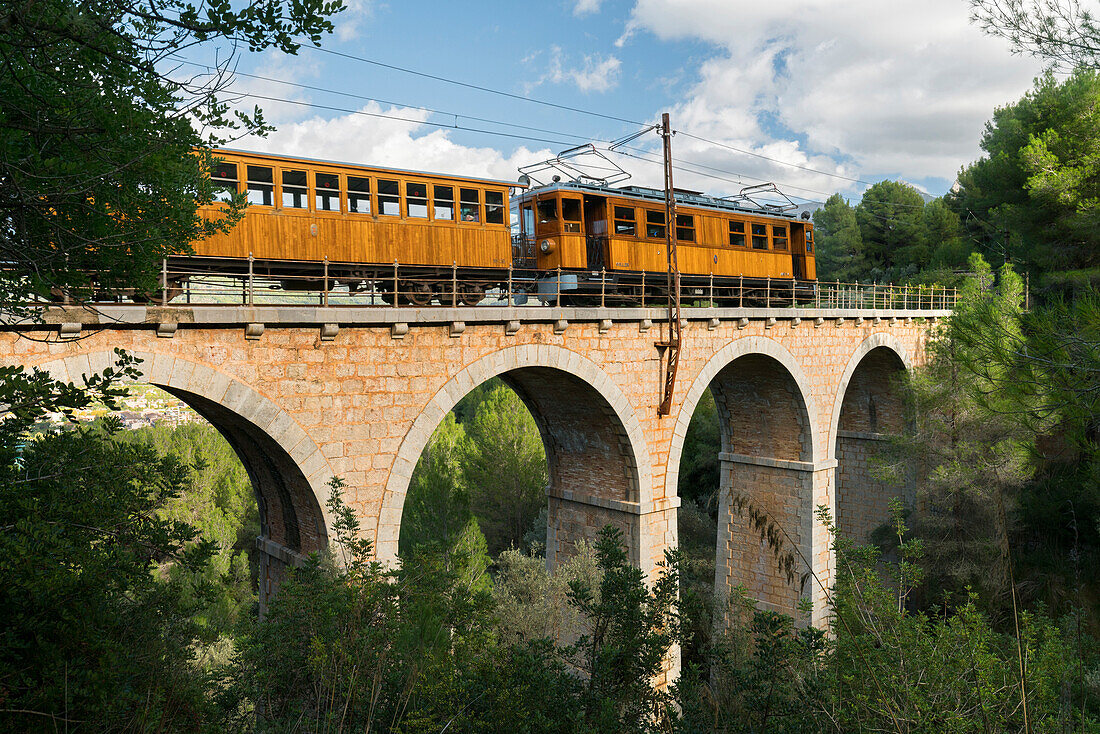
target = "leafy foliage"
x: 218, y: 501
x: 1060, y: 31
x: 491, y: 466
x: 92, y: 639
x: 352, y: 646
x: 890, y: 235
x: 1031, y: 199
x: 839, y: 241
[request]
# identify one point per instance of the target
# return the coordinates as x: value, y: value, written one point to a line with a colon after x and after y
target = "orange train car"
x: 361, y: 219
x: 619, y: 233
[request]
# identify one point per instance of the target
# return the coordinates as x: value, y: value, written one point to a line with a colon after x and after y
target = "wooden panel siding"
x: 287, y: 233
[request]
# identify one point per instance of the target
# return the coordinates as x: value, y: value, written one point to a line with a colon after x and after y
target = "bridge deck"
x: 122, y: 316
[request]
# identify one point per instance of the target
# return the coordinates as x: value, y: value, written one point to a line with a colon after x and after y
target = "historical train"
x: 419, y: 238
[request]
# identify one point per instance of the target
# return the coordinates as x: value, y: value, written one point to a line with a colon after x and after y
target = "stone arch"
x: 723, y: 357
x: 577, y: 408
x: 869, y: 407
x: 875, y: 341
x: 767, y: 423
x: 288, y: 471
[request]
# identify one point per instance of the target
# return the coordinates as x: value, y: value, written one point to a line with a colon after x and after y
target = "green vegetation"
x: 124, y: 558
x: 485, y: 463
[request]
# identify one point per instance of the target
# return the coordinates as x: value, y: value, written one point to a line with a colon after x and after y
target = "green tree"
x: 1059, y: 31
x: 437, y: 506
x: 505, y: 468
x: 1031, y: 199
x: 890, y: 217
x: 839, y: 242
x: 100, y: 128
x: 532, y: 602
x: 942, y: 232
x: 92, y: 639
x: 219, y: 502
x: 629, y: 631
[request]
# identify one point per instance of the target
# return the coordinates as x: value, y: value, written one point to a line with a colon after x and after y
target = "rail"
x: 347, y: 284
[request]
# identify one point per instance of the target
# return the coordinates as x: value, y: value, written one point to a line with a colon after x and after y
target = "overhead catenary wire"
x: 680, y: 165
x: 365, y: 98
x: 769, y: 158
x: 592, y: 113
x: 380, y: 115
x: 478, y: 87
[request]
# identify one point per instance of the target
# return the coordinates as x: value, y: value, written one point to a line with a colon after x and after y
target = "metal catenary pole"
x: 671, y: 347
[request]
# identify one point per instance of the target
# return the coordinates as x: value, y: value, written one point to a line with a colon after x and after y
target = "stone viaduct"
x: 306, y: 393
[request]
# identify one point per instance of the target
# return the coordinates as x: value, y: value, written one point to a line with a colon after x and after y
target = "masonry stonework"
x: 357, y: 393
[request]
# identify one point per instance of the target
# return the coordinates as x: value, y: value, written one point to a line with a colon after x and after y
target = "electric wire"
x: 365, y: 98
x: 345, y: 110
x: 477, y: 87
x: 680, y: 164
x: 769, y: 158
x: 592, y: 113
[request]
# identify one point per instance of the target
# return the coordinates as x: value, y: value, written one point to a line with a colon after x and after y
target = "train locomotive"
x: 409, y: 237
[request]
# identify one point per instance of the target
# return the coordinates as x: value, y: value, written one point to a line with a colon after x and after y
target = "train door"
x: 523, y: 245
x: 798, y: 251
x: 595, y: 230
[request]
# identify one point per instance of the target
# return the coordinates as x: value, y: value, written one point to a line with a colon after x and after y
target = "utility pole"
x: 670, y: 348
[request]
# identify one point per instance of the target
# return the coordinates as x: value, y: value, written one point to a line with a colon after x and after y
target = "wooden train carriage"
x: 309, y: 210
x: 582, y: 227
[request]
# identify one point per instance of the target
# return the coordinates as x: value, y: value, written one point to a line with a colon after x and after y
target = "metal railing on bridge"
x: 348, y: 284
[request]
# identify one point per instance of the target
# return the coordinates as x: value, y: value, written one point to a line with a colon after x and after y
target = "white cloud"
x: 900, y: 88
x: 349, y: 24
x: 596, y: 74
x: 586, y: 7
x: 358, y: 138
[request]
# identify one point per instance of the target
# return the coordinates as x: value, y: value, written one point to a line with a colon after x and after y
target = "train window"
x: 809, y: 241
x: 225, y: 181
x: 261, y: 186
x: 779, y: 237
x: 527, y: 219
x: 655, y: 224
x: 624, y: 221
x: 685, y: 227
x: 358, y: 194
x: 295, y: 193
x: 416, y: 199
x: 389, y: 198
x: 469, y: 205
x: 326, y: 187
x: 494, y: 207
x: 571, y: 214
x: 737, y: 234
x: 444, y: 202
x: 759, y: 236
x: 548, y: 211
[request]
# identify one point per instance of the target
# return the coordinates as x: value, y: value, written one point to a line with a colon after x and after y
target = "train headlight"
x: 546, y: 247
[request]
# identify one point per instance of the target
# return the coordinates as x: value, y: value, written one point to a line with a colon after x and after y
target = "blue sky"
x: 862, y: 90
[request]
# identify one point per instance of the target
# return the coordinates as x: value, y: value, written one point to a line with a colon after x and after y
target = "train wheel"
x: 418, y: 294
x: 470, y: 294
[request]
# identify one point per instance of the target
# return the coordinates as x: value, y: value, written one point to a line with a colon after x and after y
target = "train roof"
x: 683, y: 196
x: 345, y: 164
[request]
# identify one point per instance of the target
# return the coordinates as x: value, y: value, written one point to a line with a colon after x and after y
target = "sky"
x: 818, y: 96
